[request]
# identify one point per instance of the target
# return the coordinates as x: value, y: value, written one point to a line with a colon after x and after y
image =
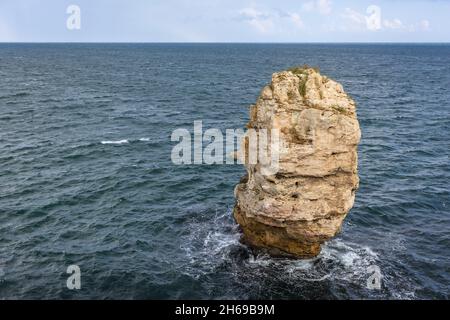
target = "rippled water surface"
x: 86, y: 176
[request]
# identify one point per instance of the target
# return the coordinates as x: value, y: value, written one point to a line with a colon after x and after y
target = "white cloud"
x: 323, y: 7
x: 296, y: 20
x: 373, y: 22
x: 393, y: 24
x: 263, y: 26
x: 397, y: 24
x: 424, y: 25
x: 251, y: 13
x: 356, y: 18
x: 275, y: 22
x: 270, y: 21
x: 263, y: 22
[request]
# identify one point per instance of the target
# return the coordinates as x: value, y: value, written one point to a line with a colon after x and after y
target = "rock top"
x: 304, y: 204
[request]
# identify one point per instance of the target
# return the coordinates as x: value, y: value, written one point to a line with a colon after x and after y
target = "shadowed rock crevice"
x: 304, y: 204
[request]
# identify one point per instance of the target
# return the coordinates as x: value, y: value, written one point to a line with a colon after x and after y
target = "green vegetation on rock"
x: 302, y: 73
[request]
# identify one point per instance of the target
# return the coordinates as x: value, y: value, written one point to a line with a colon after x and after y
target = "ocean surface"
x: 86, y: 176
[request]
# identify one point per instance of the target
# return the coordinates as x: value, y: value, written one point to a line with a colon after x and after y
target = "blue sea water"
x: 140, y: 227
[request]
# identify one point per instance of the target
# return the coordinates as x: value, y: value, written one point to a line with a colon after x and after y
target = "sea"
x: 87, y: 178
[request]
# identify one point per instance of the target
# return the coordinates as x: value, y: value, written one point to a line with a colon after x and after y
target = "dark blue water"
x: 140, y: 227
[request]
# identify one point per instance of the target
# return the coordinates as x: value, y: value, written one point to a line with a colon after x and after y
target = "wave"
x: 115, y: 142
x: 15, y: 95
x: 125, y: 141
x: 342, y: 269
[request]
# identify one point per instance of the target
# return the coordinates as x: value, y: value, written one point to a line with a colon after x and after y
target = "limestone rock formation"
x: 304, y: 204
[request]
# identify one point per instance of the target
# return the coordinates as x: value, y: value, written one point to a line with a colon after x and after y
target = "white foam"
x: 325, y: 277
x: 211, y: 243
x: 208, y: 245
x: 349, y: 258
x: 115, y: 142
x: 144, y: 139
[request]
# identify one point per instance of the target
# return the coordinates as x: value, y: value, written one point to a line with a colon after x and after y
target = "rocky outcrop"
x: 304, y: 204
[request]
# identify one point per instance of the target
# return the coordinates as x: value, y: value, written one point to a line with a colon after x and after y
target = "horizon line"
x: 222, y: 42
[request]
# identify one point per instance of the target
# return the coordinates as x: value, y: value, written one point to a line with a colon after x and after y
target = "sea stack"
x: 293, y: 211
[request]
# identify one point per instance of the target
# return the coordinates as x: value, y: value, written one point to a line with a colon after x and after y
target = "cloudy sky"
x: 226, y: 21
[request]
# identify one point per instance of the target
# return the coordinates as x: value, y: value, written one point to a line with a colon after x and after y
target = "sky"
x: 224, y: 21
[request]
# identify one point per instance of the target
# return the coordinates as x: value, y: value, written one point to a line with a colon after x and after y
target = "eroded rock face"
x: 304, y: 204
